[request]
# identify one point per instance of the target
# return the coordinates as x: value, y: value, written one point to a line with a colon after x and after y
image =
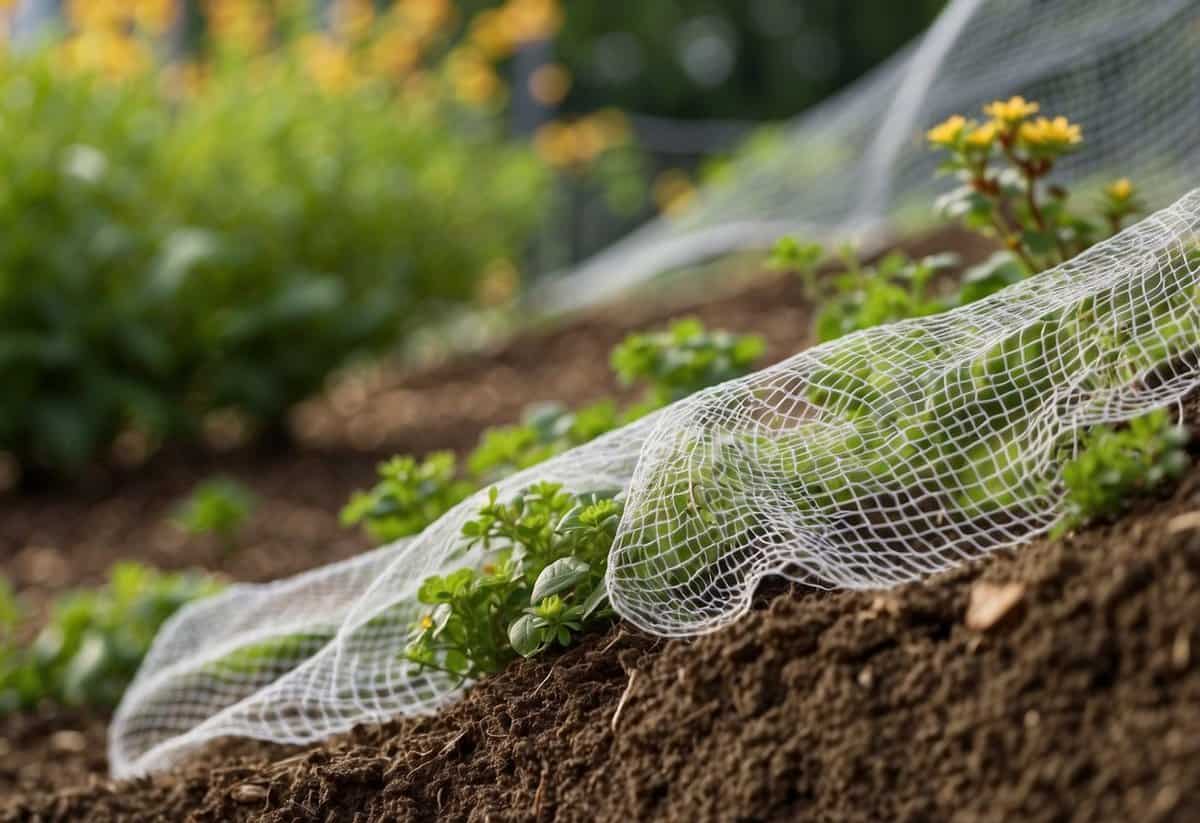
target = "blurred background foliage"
x: 212, y: 204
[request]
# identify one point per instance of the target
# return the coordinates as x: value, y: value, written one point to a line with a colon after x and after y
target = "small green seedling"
x: 802, y: 258
x: 1114, y: 466
x: 219, y: 506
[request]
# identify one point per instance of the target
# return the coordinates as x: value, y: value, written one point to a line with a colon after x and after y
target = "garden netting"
x: 856, y: 167
x: 879, y: 458
x: 875, y: 459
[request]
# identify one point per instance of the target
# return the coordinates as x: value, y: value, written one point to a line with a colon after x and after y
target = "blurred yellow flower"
x: 425, y: 17
x: 1050, y: 135
x: 981, y: 137
x: 472, y: 77
x: 1011, y: 111
x: 532, y: 20
x: 239, y: 25
x: 153, y: 16
x: 327, y: 62
x: 948, y: 132
x: 108, y: 53
x: 394, y: 54
x: 426, y: 622
x: 673, y: 191
x: 353, y: 18
x: 1120, y: 190
x: 549, y: 84
x: 491, y: 34
x: 555, y: 144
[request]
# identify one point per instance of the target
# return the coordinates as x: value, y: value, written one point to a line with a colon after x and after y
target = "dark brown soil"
x: 1080, y: 702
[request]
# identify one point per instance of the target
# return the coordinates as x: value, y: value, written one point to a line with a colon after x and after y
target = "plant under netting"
x: 881, y: 457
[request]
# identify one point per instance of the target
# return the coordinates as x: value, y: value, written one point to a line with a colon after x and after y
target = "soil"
x: 1078, y: 698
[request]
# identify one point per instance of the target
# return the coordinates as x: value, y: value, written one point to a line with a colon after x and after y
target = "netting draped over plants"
x: 855, y: 165
x: 877, y: 458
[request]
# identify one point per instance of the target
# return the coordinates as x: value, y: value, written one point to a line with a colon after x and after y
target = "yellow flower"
x: 327, y: 62
x: 1011, y: 111
x: 1050, y: 135
x: 981, y: 137
x: 427, y: 621
x: 472, y: 77
x: 948, y: 132
x: 1120, y: 190
x: 555, y: 144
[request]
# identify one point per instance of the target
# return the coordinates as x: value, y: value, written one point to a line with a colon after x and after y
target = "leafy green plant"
x: 683, y: 359
x: 800, y: 257
x: 95, y: 639
x: 413, y: 493
x: 896, y: 288
x: 219, y: 506
x: 542, y: 582
x: 1114, y: 465
x: 410, y: 495
x: 168, y: 260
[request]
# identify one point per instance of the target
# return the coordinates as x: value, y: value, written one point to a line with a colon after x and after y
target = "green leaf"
x: 594, y: 601
x: 559, y: 576
x: 525, y: 635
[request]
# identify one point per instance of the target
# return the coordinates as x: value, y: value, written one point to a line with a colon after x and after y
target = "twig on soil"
x: 544, y: 681
x: 624, y: 696
x: 613, y: 642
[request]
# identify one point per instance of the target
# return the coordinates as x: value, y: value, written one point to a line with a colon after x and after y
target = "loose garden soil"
x: 1055, y: 682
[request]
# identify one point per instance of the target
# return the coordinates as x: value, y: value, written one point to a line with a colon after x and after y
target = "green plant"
x: 167, y: 259
x: 1114, y: 465
x: 219, y: 506
x: 409, y: 496
x: 895, y: 288
x: 683, y: 359
x: 95, y: 639
x: 1004, y: 164
x: 800, y: 257
x: 542, y: 582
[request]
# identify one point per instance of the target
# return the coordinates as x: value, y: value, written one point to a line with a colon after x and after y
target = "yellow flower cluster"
x: 1045, y: 134
x: 1010, y: 112
x: 1009, y: 122
x: 499, y: 31
x: 567, y: 145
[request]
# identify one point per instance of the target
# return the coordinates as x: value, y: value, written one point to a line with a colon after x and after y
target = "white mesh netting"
x: 1126, y: 69
x: 875, y: 459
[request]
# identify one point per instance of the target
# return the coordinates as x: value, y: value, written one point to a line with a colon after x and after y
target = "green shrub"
x: 95, y: 639
x: 410, y: 495
x: 166, y: 260
x: 1113, y: 466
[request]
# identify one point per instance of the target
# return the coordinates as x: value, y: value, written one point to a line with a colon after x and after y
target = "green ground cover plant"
x: 95, y: 639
